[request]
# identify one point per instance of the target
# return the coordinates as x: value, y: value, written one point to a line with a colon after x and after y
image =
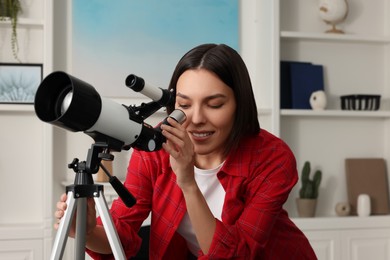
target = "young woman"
x: 217, y: 189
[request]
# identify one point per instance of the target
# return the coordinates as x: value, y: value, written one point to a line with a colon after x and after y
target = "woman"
x: 217, y: 188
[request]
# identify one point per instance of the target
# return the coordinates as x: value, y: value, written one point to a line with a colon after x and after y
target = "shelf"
x: 334, y: 37
x: 335, y: 113
x: 349, y: 222
x: 264, y: 111
x: 24, y: 22
x: 17, y: 107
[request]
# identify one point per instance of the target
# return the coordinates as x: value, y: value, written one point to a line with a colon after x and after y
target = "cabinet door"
x: 21, y: 249
x: 366, y: 244
x: 326, y: 244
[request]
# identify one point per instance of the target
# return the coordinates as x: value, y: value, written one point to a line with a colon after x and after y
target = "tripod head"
x: 84, y: 170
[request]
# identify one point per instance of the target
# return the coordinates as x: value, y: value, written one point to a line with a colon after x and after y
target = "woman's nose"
x: 197, y: 116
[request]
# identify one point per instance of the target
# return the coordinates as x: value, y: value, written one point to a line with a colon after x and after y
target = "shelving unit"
x: 354, y: 63
x: 26, y: 163
x: 357, y: 62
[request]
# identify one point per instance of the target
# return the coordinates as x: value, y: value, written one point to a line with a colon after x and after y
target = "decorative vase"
x: 343, y: 209
x: 318, y: 100
x: 306, y: 207
x: 363, y: 205
x: 333, y: 12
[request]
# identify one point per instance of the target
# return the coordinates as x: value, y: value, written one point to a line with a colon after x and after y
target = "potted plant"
x: 308, y: 194
x: 10, y: 10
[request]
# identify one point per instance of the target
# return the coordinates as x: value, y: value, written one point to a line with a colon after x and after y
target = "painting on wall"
x: 19, y: 82
x: 112, y: 39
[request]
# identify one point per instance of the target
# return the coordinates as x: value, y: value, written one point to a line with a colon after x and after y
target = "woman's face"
x: 210, y: 106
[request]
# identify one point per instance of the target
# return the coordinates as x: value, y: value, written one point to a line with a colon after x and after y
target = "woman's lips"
x: 200, y: 136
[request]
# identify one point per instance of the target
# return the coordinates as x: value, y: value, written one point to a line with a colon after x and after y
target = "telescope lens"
x: 63, y: 102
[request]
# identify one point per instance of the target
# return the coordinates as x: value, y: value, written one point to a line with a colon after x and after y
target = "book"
x: 285, y: 85
x: 306, y: 78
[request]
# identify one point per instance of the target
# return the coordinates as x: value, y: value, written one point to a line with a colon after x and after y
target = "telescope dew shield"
x: 67, y: 102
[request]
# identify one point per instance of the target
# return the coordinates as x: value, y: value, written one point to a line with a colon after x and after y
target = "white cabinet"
x: 364, y: 244
x: 348, y: 238
x: 24, y: 225
x: 326, y: 243
x: 21, y: 241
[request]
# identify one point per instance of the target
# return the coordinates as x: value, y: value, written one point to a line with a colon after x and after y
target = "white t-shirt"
x: 214, y: 194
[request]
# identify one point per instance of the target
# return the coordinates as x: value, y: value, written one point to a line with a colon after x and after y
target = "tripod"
x: 77, y: 195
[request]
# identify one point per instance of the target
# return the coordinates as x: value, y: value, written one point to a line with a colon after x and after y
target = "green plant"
x: 310, y: 187
x: 10, y: 9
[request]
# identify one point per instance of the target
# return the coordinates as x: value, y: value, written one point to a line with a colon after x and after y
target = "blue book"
x: 305, y: 79
x: 285, y: 86
x: 285, y: 83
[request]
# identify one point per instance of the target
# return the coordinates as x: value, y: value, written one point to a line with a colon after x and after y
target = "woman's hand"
x: 91, y: 215
x: 181, y: 149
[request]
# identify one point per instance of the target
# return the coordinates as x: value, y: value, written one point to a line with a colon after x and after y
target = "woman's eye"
x: 184, y: 106
x: 216, y: 105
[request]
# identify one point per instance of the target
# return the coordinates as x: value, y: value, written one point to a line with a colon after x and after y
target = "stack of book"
x: 298, y: 80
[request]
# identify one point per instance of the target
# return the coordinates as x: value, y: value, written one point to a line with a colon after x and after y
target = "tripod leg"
x: 63, y: 229
x: 80, y: 237
x: 112, y: 235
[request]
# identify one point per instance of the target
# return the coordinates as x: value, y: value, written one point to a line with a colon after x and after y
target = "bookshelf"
x: 26, y: 165
x: 354, y: 63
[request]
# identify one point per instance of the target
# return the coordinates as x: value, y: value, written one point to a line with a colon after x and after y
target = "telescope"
x: 70, y: 103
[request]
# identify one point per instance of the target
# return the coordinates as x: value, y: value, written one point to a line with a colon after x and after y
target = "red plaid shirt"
x: 257, y: 178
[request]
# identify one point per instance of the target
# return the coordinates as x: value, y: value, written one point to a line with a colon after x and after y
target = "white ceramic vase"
x: 363, y: 205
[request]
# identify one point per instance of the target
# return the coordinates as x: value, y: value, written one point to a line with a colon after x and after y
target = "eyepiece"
x: 135, y: 83
x: 178, y: 115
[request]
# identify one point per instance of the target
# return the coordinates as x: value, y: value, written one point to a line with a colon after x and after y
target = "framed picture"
x: 19, y: 82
